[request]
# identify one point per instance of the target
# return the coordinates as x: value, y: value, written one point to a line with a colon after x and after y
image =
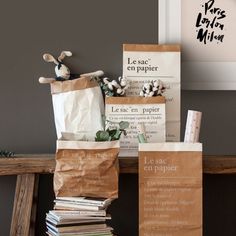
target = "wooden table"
x: 28, y: 167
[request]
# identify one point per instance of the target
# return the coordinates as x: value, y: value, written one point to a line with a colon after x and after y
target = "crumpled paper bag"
x: 88, y: 169
x: 78, y: 106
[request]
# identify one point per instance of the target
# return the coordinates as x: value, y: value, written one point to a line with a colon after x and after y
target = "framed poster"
x: 206, y: 30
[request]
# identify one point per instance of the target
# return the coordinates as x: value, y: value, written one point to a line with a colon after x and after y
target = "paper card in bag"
x: 138, y: 110
x: 170, y: 189
x: 88, y: 169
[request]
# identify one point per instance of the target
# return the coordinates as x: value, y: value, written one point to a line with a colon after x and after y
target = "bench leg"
x: 34, y: 206
x: 23, y: 202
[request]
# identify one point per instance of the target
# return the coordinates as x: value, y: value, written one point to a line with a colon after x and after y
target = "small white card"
x: 138, y: 110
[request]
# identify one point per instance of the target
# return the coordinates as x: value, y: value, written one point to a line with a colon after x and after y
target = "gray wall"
x: 94, y: 31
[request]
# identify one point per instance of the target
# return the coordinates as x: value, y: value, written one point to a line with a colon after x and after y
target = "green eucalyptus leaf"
x: 124, y: 125
x: 117, y: 135
x: 110, y: 94
x: 98, y: 133
x: 112, y: 132
x: 5, y: 153
x: 104, y: 135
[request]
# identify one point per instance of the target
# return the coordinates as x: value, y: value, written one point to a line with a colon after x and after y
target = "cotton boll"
x: 141, y: 93
x: 123, y: 82
x: 151, y: 94
x: 155, y: 83
x: 115, y: 84
x: 146, y: 86
x: 110, y: 86
x: 119, y: 91
x: 154, y: 89
x: 105, y: 80
x: 123, y: 92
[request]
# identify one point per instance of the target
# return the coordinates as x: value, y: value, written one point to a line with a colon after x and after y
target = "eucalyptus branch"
x: 111, y: 134
x: 5, y: 153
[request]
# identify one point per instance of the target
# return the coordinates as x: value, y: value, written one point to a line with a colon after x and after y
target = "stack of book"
x: 79, y: 216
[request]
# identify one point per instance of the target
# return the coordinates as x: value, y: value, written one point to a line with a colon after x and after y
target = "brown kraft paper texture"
x: 73, y: 85
x: 87, y: 172
x: 135, y: 100
x: 170, y: 192
x: 151, y: 47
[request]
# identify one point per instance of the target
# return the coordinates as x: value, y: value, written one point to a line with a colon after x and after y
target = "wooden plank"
x: 24, y: 164
x: 219, y: 164
x: 45, y: 163
x: 128, y: 165
x: 22, y: 205
x: 211, y: 165
x: 34, y: 206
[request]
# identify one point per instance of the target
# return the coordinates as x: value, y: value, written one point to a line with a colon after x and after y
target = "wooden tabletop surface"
x: 45, y: 164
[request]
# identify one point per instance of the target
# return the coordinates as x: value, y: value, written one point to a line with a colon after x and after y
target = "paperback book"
x: 79, y: 216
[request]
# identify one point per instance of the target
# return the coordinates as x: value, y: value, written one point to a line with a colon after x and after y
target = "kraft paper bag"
x: 149, y: 111
x: 170, y: 189
x: 143, y: 63
x: 88, y: 169
x: 78, y: 107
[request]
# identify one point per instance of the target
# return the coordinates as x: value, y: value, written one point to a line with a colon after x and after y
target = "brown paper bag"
x: 137, y: 110
x: 87, y: 169
x: 170, y: 189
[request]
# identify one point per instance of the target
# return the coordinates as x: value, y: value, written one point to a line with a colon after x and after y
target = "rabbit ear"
x: 49, y: 58
x: 93, y: 74
x: 64, y: 54
x: 43, y: 80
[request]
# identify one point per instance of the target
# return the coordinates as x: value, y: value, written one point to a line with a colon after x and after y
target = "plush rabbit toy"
x: 62, y: 71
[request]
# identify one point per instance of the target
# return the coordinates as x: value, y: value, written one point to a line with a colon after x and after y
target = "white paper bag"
x: 78, y: 107
x: 143, y: 63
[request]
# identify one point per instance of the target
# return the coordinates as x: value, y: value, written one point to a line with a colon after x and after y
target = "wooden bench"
x: 29, y: 167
